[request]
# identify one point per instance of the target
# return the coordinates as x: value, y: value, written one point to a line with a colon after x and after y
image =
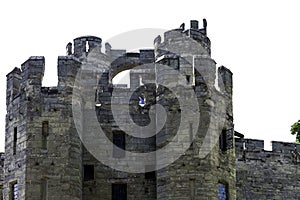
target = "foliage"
x: 295, y: 130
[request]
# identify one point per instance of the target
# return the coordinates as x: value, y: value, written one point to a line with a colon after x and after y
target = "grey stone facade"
x: 45, y: 158
x: 263, y: 174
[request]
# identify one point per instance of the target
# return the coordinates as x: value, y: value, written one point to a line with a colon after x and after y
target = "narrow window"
x: 44, y: 189
x: 222, y: 141
x: 188, y: 79
x: 119, y: 145
x: 15, y: 140
x: 191, y: 134
x: 222, y: 191
x: 88, y: 172
x: 14, y: 191
x: 119, y: 191
x: 192, y: 188
x: 45, y: 133
x: 87, y: 46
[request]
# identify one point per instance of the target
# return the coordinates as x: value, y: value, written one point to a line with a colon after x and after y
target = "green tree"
x: 295, y: 130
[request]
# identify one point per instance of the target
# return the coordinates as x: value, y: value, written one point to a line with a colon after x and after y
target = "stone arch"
x: 126, y: 62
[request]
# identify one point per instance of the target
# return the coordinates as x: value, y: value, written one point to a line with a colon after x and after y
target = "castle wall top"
x: 258, y: 145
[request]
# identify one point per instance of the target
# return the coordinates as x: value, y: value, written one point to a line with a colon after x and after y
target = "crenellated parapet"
x: 264, y: 174
x: 253, y: 149
x: 181, y: 35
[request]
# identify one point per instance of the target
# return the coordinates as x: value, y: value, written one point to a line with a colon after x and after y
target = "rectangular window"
x: 88, y: 173
x: 188, y: 79
x: 45, y: 133
x: 119, y: 145
x: 44, y: 189
x: 14, y: 191
x: 222, y: 141
x: 222, y: 191
x: 192, y: 188
x: 119, y: 191
x: 15, y: 140
x: 226, y: 140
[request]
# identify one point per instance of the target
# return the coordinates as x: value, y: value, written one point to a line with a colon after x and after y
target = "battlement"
x: 253, y: 149
x: 258, y: 145
x: 199, y: 35
x: 263, y: 174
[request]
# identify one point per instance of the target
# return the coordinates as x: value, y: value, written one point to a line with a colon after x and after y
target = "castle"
x: 54, y: 149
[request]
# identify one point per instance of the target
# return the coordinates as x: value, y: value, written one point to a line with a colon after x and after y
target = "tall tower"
x: 207, y: 169
x: 42, y: 147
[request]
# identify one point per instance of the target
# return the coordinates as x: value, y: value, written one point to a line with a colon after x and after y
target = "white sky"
x: 257, y: 40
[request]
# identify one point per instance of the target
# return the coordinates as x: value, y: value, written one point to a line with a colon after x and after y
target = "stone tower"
x: 52, y: 150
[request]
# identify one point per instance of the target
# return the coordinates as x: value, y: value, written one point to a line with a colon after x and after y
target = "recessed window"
x: 88, y: 172
x: 222, y: 191
x: 15, y: 141
x: 192, y: 188
x: 44, y: 189
x: 45, y: 133
x: 119, y: 191
x: 188, y: 79
x: 119, y: 144
x: 222, y: 141
x: 14, y: 190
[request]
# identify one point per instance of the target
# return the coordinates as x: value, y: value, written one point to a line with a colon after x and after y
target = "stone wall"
x: 43, y: 150
x: 263, y: 174
x: 45, y: 158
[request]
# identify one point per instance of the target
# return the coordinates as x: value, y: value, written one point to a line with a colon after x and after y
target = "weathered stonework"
x: 45, y: 158
x: 263, y: 174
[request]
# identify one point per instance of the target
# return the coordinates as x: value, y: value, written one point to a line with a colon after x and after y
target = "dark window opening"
x: 222, y: 141
x: 88, y: 172
x: 150, y: 175
x: 188, y: 79
x: 119, y: 145
x: 119, y: 191
x: 15, y: 140
x: 226, y: 140
x: 45, y: 133
x: 222, y: 191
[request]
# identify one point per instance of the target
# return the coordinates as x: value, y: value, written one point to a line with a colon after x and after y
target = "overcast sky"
x: 257, y: 40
